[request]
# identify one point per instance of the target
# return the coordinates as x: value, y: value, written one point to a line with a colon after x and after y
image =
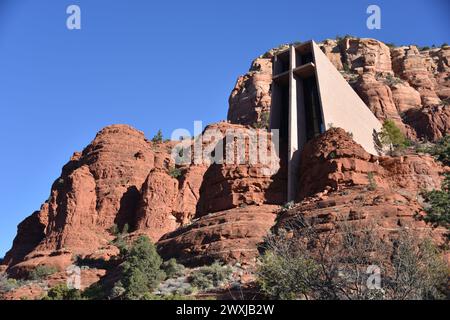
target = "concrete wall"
x: 341, y: 106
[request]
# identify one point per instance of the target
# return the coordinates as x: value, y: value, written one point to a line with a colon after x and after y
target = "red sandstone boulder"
x: 230, y: 236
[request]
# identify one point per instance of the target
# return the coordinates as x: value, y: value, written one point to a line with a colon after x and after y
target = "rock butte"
x: 223, y: 211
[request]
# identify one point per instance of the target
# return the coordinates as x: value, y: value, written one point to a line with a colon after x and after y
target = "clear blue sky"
x: 150, y: 64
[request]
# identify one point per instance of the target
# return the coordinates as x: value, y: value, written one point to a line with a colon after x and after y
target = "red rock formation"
x: 335, y: 187
x: 377, y: 96
x: 155, y: 214
x: 121, y: 178
x: 97, y: 188
x: 30, y: 233
x: 362, y: 55
x: 333, y: 161
x: 250, y: 97
x: 230, y: 236
x: 430, y: 122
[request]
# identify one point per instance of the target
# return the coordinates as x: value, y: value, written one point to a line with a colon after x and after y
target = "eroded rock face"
x: 405, y: 97
x: 31, y: 231
x: 228, y: 186
x: 97, y: 189
x: 384, y: 212
x: 364, y: 55
x: 377, y: 96
x: 121, y: 178
x: 342, y: 184
x: 251, y: 95
x: 230, y: 236
x: 430, y: 122
x: 155, y: 214
x: 334, y: 161
x: 417, y: 69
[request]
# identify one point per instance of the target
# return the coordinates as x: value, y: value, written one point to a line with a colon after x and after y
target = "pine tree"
x: 141, y: 271
x: 158, y: 138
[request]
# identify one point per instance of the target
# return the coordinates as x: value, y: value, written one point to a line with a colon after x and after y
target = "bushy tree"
x: 392, y: 137
x: 442, y: 150
x: 286, y: 276
x: 158, y: 138
x: 438, y: 209
x: 141, y: 271
x: 172, y: 268
x: 62, y: 292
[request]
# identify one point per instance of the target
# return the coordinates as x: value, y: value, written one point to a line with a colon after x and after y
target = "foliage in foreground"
x: 212, y: 276
x: 62, y: 292
x: 140, y: 271
x: 438, y: 209
x: 441, y: 150
x: 334, y: 265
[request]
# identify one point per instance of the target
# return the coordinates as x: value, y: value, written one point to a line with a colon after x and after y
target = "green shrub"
x: 140, y: 269
x: 150, y: 296
x: 392, y: 137
x: 175, y: 172
x: 441, y: 151
x: 95, y: 292
x: 288, y: 205
x: 120, y: 241
x: 285, y: 277
x: 62, y: 292
x: 8, y: 284
x: 391, y: 80
x: 346, y: 67
x: 158, y: 138
x: 333, y: 264
x: 438, y: 210
x: 208, y: 277
x: 173, y: 269
x: 41, y: 272
x: 114, y: 230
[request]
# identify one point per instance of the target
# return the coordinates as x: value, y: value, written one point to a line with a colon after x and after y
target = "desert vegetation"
x: 303, y: 263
